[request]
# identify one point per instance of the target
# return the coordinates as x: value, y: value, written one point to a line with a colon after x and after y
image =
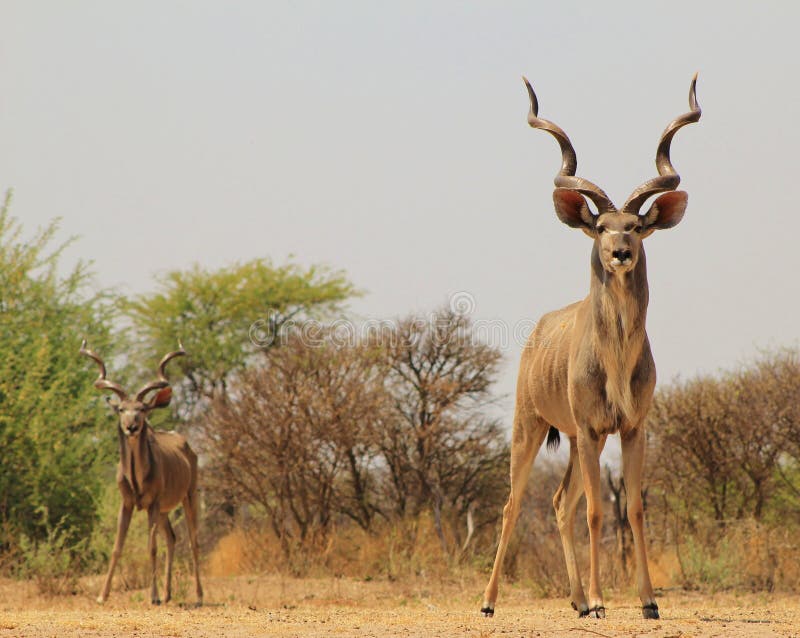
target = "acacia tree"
x: 385, y: 428
x: 55, y: 437
x: 230, y: 317
x: 778, y: 375
x: 719, y: 444
x: 442, y: 451
x: 294, y: 435
x: 690, y: 428
x: 755, y: 442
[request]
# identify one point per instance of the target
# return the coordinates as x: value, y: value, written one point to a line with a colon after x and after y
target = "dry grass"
x: 405, y: 588
x: 408, y: 548
x: 283, y: 606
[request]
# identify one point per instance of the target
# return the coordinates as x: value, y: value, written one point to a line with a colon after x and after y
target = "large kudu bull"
x: 157, y: 471
x: 587, y: 370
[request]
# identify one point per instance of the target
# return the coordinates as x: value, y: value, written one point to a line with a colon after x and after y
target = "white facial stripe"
x: 618, y: 232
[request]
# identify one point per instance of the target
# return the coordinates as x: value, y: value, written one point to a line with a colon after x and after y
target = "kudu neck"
x: 135, y: 457
x: 619, y: 300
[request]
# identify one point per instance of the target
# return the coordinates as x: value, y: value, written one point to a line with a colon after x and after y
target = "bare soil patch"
x: 282, y: 606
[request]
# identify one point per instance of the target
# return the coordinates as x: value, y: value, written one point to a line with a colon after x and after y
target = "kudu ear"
x: 161, y: 399
x: 665, y: 212
x: 113, y: 403
x: 572, y: 209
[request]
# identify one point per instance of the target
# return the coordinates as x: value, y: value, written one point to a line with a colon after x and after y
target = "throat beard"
x: 135, y: 458
x: 619, y: 324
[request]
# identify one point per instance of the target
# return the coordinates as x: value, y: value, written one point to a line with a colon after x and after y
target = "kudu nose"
x: 622, y: 254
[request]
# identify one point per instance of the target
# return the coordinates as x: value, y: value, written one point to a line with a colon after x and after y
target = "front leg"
x: 589, y: 447
x: 633, y: 445
x: 123, y: 521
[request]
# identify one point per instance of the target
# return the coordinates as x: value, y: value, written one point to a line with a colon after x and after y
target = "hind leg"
x: 169, y: 537
x: 526, y: 441
x: 153, y: 522
x: 190, y: 506
x: 565, y: 501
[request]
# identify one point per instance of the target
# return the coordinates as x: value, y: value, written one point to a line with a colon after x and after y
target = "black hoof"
x: 650, y: 612
x: 597, y: 612
x: 155, y: 601
x: 582, y: 613
x: 487, y: 611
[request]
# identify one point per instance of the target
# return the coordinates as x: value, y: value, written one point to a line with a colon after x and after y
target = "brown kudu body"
x: 157, y: 471
x: 587, y: 369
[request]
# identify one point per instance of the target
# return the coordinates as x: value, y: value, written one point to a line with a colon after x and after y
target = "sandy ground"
x: 276, y: 606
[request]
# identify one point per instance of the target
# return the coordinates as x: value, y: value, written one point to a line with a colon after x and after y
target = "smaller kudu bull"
x: 157, y: 471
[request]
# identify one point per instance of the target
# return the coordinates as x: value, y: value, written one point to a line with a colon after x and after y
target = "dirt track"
x: 274, y: 606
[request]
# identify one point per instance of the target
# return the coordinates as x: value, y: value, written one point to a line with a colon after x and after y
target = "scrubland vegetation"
x: 376, y: 455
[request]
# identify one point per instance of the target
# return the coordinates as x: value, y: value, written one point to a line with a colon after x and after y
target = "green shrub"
x: 55, y: 438
x: 53, y: 562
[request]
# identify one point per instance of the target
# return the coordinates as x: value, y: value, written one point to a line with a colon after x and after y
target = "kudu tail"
x: 553, y: 439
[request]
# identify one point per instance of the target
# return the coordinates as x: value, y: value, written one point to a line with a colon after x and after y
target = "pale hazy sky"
x: 390, y: 140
